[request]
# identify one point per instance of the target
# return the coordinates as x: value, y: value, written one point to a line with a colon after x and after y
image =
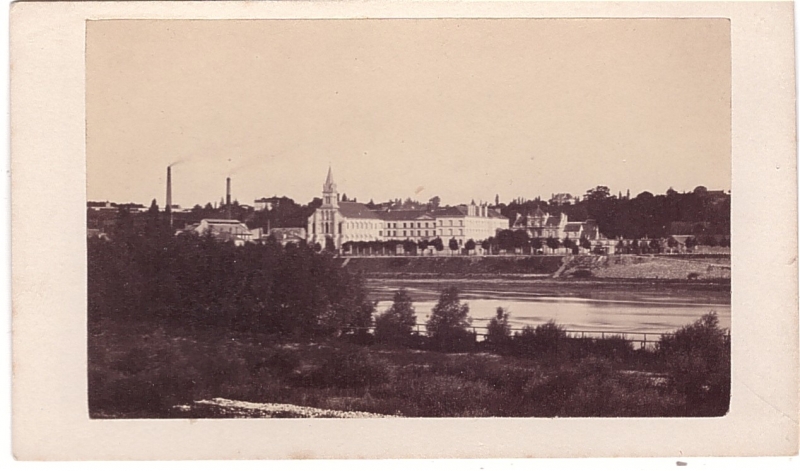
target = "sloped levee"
x: 457, y: 265
x: 565, y: 267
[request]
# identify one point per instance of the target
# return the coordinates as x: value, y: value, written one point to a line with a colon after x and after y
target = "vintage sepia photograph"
x: 408, y: 218
x: 501, y: 230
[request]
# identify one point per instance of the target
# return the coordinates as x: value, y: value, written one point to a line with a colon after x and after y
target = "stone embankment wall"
x: 457, y: 265
x: 631, y: 267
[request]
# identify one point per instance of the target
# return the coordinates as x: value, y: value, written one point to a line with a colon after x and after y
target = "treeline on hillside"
x: 284, y: 212
x: 201, y: 283
x: 697, y: 213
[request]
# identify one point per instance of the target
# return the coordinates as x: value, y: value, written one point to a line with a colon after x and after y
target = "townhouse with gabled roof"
x: 540, y: 224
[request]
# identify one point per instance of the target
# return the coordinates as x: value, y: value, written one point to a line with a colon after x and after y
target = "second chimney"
x: 169, y: 195
x: 169, y: 187
x: 228, y: 197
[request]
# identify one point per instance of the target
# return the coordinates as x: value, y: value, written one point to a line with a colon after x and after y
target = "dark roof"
x: 403, y: 214
x: 287, y: 230
x: 573, y: 227
x: 354, y: 210
x: 222, y: 221
x: 493, y: 213
x: 537, y: 212
x: 552, y: 221
x: 449, y: 212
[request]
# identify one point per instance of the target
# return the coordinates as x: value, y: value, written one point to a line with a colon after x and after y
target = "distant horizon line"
x: 491, y: 203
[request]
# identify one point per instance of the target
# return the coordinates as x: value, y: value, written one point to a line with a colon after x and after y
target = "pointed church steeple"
x: 330, y: 197
x: 330, y: 185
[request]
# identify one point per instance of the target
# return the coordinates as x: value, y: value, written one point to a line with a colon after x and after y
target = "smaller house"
x: 102, y: 206
x: 224, y: 229
x: 286, y: 235
x: 266, y: 204
x: 560, y: 199
x: 540, y: 224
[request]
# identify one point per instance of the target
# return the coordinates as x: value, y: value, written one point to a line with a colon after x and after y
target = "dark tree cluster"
x: 286, y: 213
x: 700, y: 213
x: 200, y: 283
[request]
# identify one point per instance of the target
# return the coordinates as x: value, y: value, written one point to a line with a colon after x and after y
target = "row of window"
x: 394, y: 225
x: 327, y: 227
x: 450, y: 222
x: 419, y: 233
x: 326, y: 216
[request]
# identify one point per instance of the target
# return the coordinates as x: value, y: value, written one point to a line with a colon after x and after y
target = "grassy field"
x: 140, y: 372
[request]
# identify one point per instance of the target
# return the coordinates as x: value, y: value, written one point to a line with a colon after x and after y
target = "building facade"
x: 338, y: 222
x: 539, y: 224
x: 228, y: 230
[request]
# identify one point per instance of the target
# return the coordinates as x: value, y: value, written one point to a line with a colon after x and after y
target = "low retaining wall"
x: 458, y: 265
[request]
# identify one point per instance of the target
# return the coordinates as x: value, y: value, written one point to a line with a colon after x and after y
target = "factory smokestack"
x: 169, y: 186
x: 169, y: 195
x: 228, y: 196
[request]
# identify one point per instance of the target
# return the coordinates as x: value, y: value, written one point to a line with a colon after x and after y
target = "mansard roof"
x: 353, y: 210
x: 573, y: 227
x: 450, y: 212
x: 404, y: 214
x: 493, y: 213
x: 553, y: 221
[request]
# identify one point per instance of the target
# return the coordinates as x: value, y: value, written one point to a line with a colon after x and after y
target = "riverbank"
x: 705, y: 268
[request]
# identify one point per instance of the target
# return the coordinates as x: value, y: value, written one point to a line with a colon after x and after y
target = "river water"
x: 576, y: 306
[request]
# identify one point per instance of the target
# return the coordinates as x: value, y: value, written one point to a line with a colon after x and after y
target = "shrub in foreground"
x: 394, y: 327
x: 498, y: 331
x: 448, y: 323
x: 698, y: 363
x: 547, y: 338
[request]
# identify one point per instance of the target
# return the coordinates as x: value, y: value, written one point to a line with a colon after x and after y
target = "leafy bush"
x: 498, y: 331
x: 547, y: 338
x: 448, y: 323
x: 612, y: 348
x: 698, y: 362
x: 394, y: 327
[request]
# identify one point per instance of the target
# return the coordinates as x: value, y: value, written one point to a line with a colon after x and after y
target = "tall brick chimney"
x: 228, y: 197
x: 169, y: 195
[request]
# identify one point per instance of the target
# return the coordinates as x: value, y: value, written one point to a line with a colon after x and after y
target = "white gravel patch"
x: 255, y: 409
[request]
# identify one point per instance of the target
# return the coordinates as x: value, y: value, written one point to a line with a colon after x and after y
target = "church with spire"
x: 337, y: 222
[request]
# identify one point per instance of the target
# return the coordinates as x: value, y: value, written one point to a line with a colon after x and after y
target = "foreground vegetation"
x: 138, y: 371
x: 177, y: 320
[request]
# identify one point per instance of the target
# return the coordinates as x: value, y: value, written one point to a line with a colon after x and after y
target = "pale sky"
x: 463, y: 109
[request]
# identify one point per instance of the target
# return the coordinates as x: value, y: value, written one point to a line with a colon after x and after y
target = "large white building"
x: 347, y: 221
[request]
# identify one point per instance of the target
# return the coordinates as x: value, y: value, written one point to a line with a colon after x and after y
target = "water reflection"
x: 641, y: 311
